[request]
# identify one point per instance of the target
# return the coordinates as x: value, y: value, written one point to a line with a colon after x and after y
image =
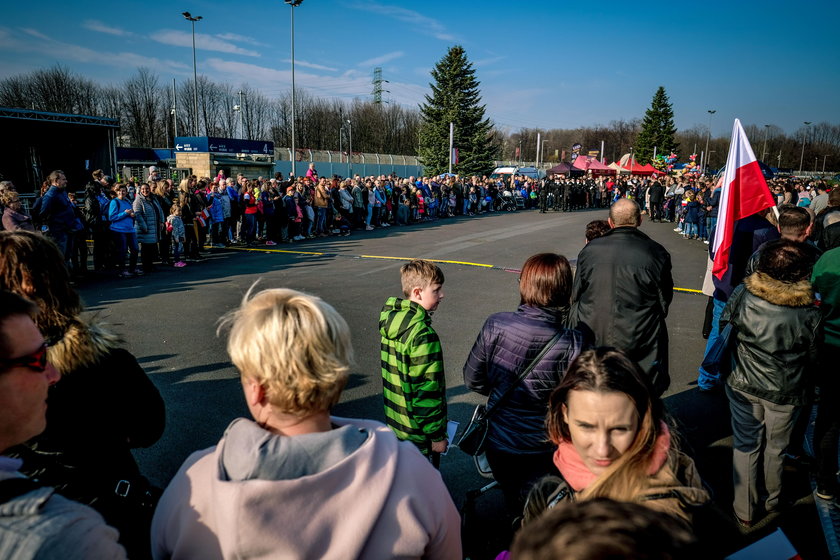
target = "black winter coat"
x: 775, y: 326
x: 622, y: 290
x: 506, y: 345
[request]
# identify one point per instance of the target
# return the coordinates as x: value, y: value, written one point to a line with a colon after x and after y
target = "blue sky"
x: 541, y: 63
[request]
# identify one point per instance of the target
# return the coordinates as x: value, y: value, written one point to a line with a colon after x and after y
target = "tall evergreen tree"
x: 657, y: 129
x: 455, y: 98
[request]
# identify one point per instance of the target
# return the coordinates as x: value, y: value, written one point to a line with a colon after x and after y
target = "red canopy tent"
x: 635, y: 168
x: 591, y: 164
x: 561, y: 168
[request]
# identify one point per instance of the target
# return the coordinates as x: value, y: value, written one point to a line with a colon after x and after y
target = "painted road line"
x: 389, y: 258
x: 690, y: 291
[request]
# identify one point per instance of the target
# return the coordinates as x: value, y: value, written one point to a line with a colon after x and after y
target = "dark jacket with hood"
x: 622, y: 290
x: 507, y: 344
x: 775, y: 326
x: 103, y: 406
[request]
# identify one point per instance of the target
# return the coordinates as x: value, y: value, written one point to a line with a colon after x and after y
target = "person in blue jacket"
x: 121, y: 216
x: 58, y: 214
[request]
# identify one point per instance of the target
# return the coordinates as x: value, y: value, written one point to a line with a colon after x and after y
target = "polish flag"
x: 744, y: 193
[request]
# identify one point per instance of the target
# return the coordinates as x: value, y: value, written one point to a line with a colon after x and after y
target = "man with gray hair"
x: 622, y: 290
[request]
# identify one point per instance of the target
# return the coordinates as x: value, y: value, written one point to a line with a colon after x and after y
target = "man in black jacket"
x: 622, y: 290
x: 657, y: 196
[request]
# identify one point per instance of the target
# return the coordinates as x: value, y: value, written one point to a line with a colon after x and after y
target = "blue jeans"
x: 320, y: 220
x: 125, y: 241
x: 707, y: 380
x: 369, y: 214
x: 249, y: 227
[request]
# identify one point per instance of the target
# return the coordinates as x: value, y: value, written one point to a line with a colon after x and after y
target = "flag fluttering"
x: 744, y: 193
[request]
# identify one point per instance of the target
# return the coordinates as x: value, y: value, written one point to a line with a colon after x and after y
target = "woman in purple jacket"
x: 518, y: 448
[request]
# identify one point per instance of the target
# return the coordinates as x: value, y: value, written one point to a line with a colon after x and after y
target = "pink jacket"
x: 383, y: 500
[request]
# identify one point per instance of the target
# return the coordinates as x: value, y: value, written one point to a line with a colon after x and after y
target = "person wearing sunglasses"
x: 104, y: 405
x: 35, y: 522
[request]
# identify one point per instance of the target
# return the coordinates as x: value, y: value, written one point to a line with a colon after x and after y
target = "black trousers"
x: 655, y: 210
x: 517, y: 472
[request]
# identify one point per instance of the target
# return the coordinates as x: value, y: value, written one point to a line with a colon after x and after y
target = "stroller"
x: 506, y: 202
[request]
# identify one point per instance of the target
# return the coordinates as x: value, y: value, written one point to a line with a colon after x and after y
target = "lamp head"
x: 293, y: 3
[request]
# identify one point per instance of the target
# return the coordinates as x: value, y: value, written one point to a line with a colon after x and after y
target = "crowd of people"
x: 581, y: 440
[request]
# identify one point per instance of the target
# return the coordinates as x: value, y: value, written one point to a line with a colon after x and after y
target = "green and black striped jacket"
x: 413, y: 379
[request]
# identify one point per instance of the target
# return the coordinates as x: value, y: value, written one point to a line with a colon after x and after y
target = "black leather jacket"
x: 622, y: 290
x: 776, y: 328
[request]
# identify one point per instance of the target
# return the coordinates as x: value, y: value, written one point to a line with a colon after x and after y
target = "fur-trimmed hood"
x: 796, y: 294
x: 83, y: 344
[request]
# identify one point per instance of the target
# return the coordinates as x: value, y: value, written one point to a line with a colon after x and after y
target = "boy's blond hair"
x: 419, y: 274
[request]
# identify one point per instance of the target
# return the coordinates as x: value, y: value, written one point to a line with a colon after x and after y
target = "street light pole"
x: 192, y: 19
x: 350, y: 148
x: 764, y: 151
x: 708, y: 137
x: 294, y: 4
x: 825, y: 156
x: 804, y: 138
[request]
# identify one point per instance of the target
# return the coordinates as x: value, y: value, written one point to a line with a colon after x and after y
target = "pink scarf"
x: 574, y: 471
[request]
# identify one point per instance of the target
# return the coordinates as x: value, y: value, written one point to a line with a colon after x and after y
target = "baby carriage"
x: 507, y: 202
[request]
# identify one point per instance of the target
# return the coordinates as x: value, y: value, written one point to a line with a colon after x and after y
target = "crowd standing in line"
x: 598, y: 394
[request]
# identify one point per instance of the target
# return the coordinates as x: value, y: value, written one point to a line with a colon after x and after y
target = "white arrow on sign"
x: 178, y: 146
x: 212, y: 147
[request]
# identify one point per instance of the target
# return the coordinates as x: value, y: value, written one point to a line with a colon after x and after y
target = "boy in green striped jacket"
x: 413, y: 379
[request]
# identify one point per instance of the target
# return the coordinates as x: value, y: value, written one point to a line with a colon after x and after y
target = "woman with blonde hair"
x: 296, y: 482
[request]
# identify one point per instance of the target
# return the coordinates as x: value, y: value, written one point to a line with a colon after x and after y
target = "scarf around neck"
x: 570, y: 464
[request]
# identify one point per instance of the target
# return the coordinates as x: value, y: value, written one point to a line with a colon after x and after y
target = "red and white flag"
x: 743, y: 194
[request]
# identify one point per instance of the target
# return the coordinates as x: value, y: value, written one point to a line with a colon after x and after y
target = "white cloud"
x: 273, y: 82
x: 241, y: 39
x: 382, y: 59
x: 49, y: 47
x: 100, y: 27
x: 202, y: 41
x: 310, y: 65
x: 418, y: 21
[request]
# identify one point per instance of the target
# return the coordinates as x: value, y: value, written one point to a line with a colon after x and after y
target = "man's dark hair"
x: 793, y: 221
x: 603, y: 528
x: 596, y: 228
x: 785, y: 261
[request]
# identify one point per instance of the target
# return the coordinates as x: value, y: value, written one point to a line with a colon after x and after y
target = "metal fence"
x: 330, y: 163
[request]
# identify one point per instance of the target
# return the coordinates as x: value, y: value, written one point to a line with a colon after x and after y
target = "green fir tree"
x: 455, y: 98
x: 658, y: 129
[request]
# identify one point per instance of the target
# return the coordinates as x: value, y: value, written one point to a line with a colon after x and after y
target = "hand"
x: 440, y: 446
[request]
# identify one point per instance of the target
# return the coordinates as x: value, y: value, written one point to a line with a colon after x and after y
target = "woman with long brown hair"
x: 103, y: 406
x: 612, y: 440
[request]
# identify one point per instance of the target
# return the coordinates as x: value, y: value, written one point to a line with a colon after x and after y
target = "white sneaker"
x: 369, y: 228
x: 706, y: 241
x: 677, y: 229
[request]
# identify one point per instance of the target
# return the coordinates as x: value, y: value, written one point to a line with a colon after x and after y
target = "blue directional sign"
x: 223, y: 145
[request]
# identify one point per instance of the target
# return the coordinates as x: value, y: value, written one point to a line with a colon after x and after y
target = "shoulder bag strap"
x: 491, y: 410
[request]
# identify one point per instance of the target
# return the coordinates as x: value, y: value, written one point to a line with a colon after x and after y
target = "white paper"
x: 451, y: 430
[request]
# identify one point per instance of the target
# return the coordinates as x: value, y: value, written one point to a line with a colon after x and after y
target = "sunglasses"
x: 36, y: 361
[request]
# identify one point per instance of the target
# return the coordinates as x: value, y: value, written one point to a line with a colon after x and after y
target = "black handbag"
x: 475, y: 435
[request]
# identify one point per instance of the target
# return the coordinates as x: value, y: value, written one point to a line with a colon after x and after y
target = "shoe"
x: 706, y: 241
x: 180, y: 264
x: 677, y: 229
x: 369, y: 228
x: 824, y: 493
x: 125, y: 274
x: 137, y: 272
x: 219, y: 245
x: 299, y: 238
x: 270, y: 243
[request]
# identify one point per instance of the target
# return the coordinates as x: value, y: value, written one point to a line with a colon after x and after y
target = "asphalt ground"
x: 169, y: 321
